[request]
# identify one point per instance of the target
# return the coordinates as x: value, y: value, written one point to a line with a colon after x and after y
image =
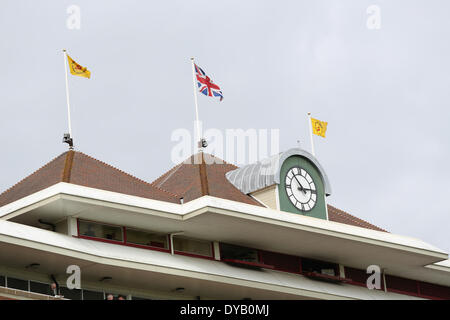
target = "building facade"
x: 205, y: 229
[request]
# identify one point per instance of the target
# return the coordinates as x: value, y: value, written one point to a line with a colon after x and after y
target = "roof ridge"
x: 66, y: 174
x: 129, y: 175
x: 224, y: 162
x: 31, y: 174
x: 357, y: 220
x: 203, y: 176
x: 176, y: 167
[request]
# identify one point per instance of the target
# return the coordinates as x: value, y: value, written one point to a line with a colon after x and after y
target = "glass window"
x: 356, y: 275
x: 72, y: 294
x: 39, y: 287
x: 200, y: 247
x: 93, y: 295
x: 309, y: 265
x: 280, y: 261
x: 147, y: 238
x: 102, y: 231
x: 233, y: 252
x: 2, y: 281
x: 18, y: 284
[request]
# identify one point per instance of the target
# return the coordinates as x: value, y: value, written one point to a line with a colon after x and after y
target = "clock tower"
x: 292, y: 181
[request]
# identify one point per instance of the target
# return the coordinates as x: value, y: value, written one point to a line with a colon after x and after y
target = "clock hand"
x: 301, y: 187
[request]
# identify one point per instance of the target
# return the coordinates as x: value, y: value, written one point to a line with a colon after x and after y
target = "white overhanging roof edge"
x: 218, y: 205
x: 151, y: 260
x: 441, y: 266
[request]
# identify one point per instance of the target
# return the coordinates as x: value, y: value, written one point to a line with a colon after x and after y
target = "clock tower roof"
x: 264, y: 173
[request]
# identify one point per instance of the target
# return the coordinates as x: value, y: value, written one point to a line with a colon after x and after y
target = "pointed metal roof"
x: 266, y: 172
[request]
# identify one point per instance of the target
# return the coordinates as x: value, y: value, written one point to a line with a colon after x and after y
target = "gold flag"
x: 319, y: 127
x: 78, y: 70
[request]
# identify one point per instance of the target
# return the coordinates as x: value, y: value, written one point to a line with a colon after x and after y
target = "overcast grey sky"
x: 383, y: 92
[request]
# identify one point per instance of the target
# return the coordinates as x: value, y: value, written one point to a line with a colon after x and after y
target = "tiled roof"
x: 78, y: 168
x: 337, y: 215
x: 202, y: 174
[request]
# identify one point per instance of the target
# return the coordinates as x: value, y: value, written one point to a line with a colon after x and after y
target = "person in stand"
x: 53, y: 290
x: 109, y: 297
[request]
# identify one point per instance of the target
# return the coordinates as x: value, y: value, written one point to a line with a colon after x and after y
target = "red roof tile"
x: 202, y: 174
x: 338, y: 215
x: 46, y: 176
x: 78, y: 168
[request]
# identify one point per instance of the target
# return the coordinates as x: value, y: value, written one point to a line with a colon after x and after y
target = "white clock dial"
x: 301, y: 189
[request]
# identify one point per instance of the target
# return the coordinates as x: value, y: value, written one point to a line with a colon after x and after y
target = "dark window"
x: 2, y: 281
x: 19, y: 284
x: 434, y: 290
x: 72, y: 294
x: 101, y: 231
x: 39, y: 287
x: 198, y: 247
x: 309, y: 265
x: 232, y: 252
x: 280, y: 261
x: 93, y: 295
x: 147, y: 238
x: 401, y: 284
x: 138, y: 298
x: 356, y: 275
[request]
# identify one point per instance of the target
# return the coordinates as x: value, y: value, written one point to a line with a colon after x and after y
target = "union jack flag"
x: 205, y: 84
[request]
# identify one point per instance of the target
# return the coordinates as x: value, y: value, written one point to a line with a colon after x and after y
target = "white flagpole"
x: 67, y: 95
x: 196, y: 103
x: 311, y: 134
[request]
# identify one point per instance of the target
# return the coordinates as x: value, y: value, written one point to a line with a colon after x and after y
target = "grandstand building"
x: 205, y: 229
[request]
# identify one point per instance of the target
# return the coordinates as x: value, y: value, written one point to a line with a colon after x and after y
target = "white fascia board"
x: 227, y: 207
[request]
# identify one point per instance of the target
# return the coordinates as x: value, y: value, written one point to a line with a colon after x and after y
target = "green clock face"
x: 300, y: 188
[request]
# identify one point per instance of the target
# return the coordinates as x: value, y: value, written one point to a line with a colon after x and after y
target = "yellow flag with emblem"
x: 78, y: 70
x: 319, y: 127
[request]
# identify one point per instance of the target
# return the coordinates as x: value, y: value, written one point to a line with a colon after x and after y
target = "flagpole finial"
x: 309, y: 113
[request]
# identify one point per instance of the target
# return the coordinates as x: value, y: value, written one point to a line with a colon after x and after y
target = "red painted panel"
x: 434, y: 290
x: 281, y: 261
x: 399, y: 284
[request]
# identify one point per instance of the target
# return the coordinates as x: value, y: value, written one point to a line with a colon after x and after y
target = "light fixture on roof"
x: 68, y: 139
x: 202, y: 143
x: 179, y: 290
